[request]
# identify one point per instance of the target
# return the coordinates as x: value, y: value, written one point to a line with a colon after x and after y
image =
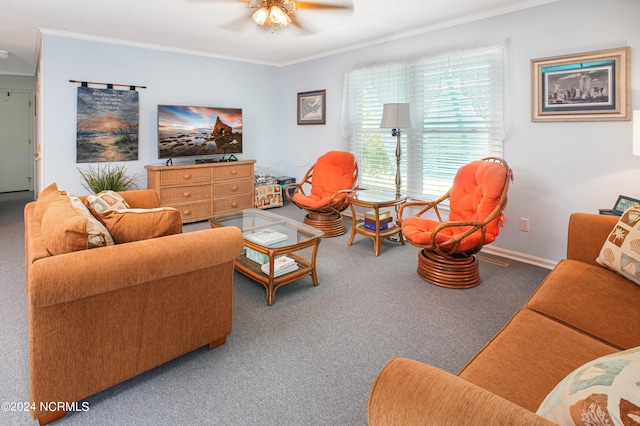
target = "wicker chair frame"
x: 327, y: 218
x: 443, y: 264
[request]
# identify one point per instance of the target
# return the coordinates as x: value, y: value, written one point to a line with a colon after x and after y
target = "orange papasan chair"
x: 476, y: 201
x: 332, y: 180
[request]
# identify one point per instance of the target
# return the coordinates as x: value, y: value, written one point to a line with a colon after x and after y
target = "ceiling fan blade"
x: 302, y: 28
x: 311, y: 5
x: 239, y: 25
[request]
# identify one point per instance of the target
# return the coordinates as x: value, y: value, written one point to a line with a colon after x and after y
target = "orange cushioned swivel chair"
x: 333, y: 179
x: 476, y: 201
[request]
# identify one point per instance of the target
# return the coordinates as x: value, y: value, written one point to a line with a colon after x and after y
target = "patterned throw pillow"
x: 621, y: 251
x: 605, y: 391
x: 105, y: 201
x: 68, y: 226
x: 97, y: 233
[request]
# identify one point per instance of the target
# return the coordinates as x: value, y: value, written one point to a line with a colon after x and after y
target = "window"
x: 457, y: 109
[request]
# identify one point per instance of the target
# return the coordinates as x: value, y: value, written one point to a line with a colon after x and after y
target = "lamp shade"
x: 278, y: 16
x: 260, y: 16
x: 396, y: 116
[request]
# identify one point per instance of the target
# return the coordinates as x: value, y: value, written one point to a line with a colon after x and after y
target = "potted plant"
x: 113, y: 178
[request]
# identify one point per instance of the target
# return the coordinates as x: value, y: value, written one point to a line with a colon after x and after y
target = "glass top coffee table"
x: 268, y: 237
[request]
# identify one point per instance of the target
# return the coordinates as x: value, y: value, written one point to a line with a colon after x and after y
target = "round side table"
x: 375, y: 202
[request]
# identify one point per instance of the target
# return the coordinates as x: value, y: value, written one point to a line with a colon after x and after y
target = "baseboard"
x: 496, y: 251
x: 520, y: 257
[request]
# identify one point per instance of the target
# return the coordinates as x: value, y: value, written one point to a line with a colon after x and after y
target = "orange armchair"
x: 476, y: 201
x: 332, y: 180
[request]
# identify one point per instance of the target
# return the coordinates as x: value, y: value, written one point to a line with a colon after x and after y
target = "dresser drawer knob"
x: 234, y: 172
x: 187, y: 212
x: 234, y: 188
x: 234, y: 204
x: 187, y: 176
x: 187, y: 194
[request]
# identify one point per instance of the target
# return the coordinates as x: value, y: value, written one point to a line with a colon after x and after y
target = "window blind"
x: 456, y: 100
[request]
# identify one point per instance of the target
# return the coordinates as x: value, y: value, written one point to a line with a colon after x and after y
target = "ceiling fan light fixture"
x: 260, y: 16
x: 278, y: 16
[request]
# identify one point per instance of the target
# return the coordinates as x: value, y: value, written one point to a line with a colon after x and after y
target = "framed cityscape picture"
x: 623, y: 204
x: 312, y: 107
x: 593, y: 86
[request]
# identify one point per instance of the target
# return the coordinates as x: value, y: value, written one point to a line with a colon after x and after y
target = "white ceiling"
x: 223, y: 28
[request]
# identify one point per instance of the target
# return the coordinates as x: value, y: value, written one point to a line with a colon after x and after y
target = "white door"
x: 15, y: 141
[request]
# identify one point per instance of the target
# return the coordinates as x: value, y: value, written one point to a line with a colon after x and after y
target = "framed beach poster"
x: 311, y: 107
x: 591, y: 86
x: 107, y: 126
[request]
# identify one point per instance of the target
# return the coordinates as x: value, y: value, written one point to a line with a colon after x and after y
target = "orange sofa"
x: 97, y: 317
x: 581, y: 312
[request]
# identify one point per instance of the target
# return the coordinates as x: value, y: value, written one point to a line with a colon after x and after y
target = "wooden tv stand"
x: 200, y: 191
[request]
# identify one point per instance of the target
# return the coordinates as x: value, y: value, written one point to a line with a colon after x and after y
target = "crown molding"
x: 150, y: 46
x: 396, y: 36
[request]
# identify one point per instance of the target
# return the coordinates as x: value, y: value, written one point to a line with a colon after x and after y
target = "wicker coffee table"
x: 288, y: 236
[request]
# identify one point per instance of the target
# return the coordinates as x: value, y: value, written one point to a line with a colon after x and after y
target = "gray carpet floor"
x: 309, y: 359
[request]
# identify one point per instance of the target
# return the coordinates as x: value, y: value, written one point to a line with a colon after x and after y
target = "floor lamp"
x: 396, y: 116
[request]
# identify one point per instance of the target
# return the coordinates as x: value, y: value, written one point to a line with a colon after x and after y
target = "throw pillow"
x: 105, y: 201
x: 98, y: 235
x: 129, y: 225
x: 66, y: 227
x: 49, y: 194
x: 605, y: 391
x: 621, y: 251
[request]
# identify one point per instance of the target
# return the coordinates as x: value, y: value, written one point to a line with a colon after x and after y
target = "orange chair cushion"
x: 474, y: 195
x: 333, y: 172
x: 419, y: 230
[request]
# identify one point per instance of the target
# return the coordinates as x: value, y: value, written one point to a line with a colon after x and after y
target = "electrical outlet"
x: 524, y: 224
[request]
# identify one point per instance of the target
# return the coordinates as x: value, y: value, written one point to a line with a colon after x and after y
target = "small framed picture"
x: 593, y: 86
x: 623, y: 204
x: 311, y: 107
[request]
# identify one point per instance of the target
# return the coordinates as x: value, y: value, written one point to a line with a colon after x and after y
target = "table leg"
x: 353, y: 224
x: 271, y: 293
x: 314, y: 276
x: 270, y: 284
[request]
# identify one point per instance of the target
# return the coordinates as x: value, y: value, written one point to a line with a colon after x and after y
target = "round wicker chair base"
x: 331, y: 224
x: 457, y: 272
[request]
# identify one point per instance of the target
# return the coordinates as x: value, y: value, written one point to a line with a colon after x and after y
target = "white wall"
x: 559, y: 167
x: 18, y: 82
x: 170, y: 78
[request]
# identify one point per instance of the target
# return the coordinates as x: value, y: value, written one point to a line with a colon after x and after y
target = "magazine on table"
x: 266, y: 237
x: 281, y: 265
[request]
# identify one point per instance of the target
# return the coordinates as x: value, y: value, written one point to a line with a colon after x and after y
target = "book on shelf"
x: 381, y: 221
x: 266, y: 237
x: 371, y: 214
x: 281, y: 265
x: 286, y: 270
x: 383, y: 226
x: 258, y: 257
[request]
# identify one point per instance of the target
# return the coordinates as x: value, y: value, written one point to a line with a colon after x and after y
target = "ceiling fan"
x: 274, y: 14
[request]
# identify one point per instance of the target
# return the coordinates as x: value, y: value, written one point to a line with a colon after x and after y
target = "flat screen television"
x: 197, y: 131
